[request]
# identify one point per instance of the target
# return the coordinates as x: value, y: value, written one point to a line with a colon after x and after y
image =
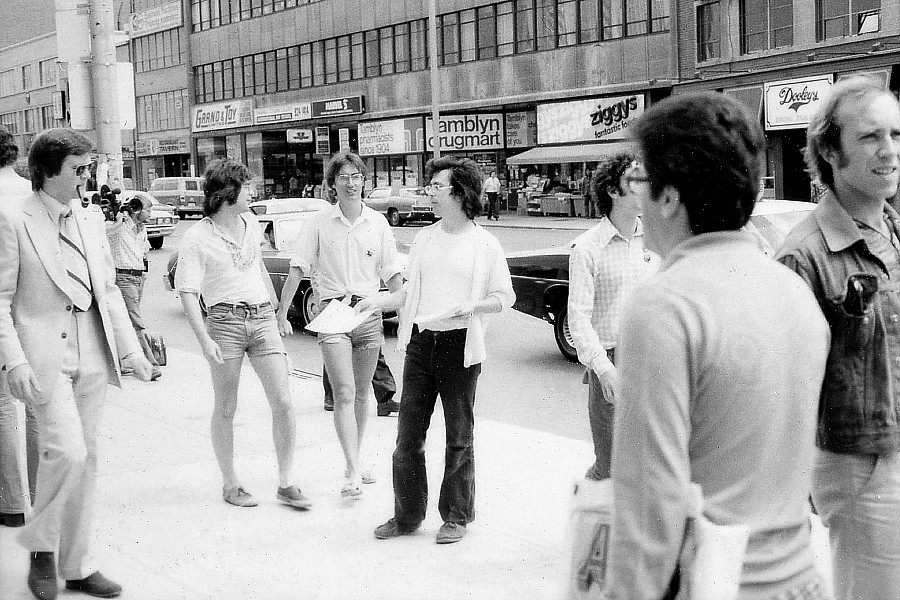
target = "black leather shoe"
x: 42, y: 576
x: 387, y: 407
x: 12, y: 519
x: 96, y: 585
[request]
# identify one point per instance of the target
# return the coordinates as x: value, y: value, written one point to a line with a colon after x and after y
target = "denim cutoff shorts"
x: 244, y: 328
x: 368, y: 334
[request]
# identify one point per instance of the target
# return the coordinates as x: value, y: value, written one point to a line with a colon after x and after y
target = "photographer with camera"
x: 129, y: 246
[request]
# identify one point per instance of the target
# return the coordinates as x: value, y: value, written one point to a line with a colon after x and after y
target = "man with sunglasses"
x: 607, y: 262
x: 63, y: 331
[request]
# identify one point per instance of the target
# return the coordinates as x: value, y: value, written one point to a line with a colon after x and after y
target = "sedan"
x: 405, y: 205
x: 541, y: 277
x: 282, y: 232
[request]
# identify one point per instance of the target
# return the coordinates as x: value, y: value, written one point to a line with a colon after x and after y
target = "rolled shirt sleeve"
x: 191, y: 267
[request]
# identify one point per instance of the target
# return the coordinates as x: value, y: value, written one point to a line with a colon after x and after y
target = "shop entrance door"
x: 177, y: 165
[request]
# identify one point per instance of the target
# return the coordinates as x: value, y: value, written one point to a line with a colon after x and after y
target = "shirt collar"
x: 337, y: 213
x: 55, y: 209
x: 721, y: 240
x: 605, y: 231
x: 838, y: 227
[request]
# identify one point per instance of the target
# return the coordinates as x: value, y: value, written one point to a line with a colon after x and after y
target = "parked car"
x: 541, y: 277
x: 184, y: 193
x: 281, y: 232
x: 407, y: 204
x: 283, y: 205
x: 162, y: 221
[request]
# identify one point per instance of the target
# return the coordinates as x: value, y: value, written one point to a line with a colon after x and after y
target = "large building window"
x: 318, y: 62
x: 708, y: 31
x: 487, y: 32
x: 47, y: 72
x: 589, y: 21
x: 842, y: 18
x: 401, y: 47
x: 386, y: 50
x: 163, y: 111
x: 372, y: 60
x: 467, y: 35
x: 158, y: 51
x: 612, y: 17
x: 766, y: 24
x: 331, y: 61
x: 525, y: 26
x: 567, y: 23
x: 357, y: 56
x: 545, y: 15
x: 343, y: 58
x: 306, y: 66
x: 506, y: 29
x: 450, y: 39
x: 418, y: 45
x: 10, y: 121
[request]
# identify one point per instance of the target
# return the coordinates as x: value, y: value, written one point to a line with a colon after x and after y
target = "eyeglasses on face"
x: 435, y: 186
x: 81, y: 169
x: 345, y: 178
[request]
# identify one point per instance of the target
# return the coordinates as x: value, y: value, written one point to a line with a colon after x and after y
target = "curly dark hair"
x: 608, y: 178
x: 222, y: 183
x: 9, y: 151
x: 465, y: 180
x: 334, y: 167
x: 708, y: 147
x: 49, y: 151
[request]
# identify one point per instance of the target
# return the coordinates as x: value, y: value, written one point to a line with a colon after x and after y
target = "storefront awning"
x: 569, y: 154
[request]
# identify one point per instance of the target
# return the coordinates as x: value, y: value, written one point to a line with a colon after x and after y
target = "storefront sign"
x: 299, y: 136
x: 224, y: 115
x: 343, y: 139
x: 521, y: 130
x: 397, y: 136
x: 161, y: 18
x: 154, y: 146
x: 468, y: 132
x: 323, y: 143
x: 790, y: 104
x: 338, y: 107
x: 588, y: 120
x: 281, y: 114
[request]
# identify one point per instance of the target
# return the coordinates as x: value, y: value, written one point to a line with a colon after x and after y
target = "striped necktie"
x: 75, y: 262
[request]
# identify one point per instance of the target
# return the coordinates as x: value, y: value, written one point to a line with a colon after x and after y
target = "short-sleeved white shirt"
x: 348, y: 258
x: 220, y: 268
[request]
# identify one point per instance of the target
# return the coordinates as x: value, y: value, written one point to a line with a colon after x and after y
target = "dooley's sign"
x: 790, y: 104
x: 588, y: 120
x: 224, y: 115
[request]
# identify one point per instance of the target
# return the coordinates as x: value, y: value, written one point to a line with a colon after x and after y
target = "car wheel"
x: 393, y: 217
x: 309, y: 308
x: 156, y: 243
x: 564, y: 336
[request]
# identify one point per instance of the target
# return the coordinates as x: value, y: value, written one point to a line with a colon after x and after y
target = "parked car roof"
x: 286, y: 205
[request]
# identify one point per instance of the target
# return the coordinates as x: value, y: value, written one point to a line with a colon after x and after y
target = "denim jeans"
x: 434, y: 365
x: 600, y: 416
x: 244, y: 328
x: 858, y: 498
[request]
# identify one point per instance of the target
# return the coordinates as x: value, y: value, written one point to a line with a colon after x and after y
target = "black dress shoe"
x: 42, y: 576
x: 12, y: 519
x: 387, y: 407
x: 96, y: 585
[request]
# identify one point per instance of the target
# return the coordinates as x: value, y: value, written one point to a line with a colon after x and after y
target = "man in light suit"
x: 63, y: 331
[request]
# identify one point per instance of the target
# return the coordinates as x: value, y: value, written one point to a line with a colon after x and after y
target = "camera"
x: 108, y: 201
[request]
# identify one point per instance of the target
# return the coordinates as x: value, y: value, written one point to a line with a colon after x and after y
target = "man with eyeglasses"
x: 607, y: 262
x: 63, y: 331
x: 721, y: 356
x: 351, y: 249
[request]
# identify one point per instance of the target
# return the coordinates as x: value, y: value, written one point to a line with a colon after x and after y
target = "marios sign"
x: 588, y: 120
x: 790, y: 104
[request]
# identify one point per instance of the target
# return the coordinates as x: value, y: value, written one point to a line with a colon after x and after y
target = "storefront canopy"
x: 569, y: 154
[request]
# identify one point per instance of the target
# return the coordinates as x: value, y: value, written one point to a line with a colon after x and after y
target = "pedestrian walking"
x: 492, y: 191
x: 351, y: 250
x: 847, y: 251
x: 63, y: 331
x: 220, y: 259
x: 721, y: 358
x: 15, y: 499
x: 606, y: 264
x: 457, y: 274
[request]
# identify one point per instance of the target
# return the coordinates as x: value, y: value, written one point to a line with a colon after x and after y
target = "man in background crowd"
x: 492, y: 191
x: 847, y: 251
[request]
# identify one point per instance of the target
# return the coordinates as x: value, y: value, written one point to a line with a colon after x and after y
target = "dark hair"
x: 334, y: 167
x: 9, y: 151
x: 710, y: 149
x: 608, y: 178
x: 824, y: 132
x: 465, y: 180
x: 222, y: 184
x: 49, y: 151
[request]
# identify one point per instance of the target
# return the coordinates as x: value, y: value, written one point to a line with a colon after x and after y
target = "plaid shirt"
x: 128, y: 243
x: 604, y: 267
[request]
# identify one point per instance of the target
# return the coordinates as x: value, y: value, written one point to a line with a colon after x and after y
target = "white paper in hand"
x: 337, y: 317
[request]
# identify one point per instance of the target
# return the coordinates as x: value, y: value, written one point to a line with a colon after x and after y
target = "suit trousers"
x: 68, y: 425
x: 14, y: 497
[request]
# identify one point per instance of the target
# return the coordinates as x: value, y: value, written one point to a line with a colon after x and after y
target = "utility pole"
x: 104, y: 78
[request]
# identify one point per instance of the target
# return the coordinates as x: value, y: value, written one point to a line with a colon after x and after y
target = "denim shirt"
x: 859, y: 412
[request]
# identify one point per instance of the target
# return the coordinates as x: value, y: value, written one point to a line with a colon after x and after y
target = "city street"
x: 525, y: 381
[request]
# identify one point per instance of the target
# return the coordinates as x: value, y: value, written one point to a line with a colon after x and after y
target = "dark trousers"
x: 492, y: 211
x: 434, y: 365
x: 600, y: 415
x: 383, y: 383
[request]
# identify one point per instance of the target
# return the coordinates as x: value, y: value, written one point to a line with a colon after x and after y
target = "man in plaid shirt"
x: 129, y: 247
x: 607, y: 262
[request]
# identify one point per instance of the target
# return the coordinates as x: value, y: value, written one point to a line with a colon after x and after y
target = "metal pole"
x: 435, y: 85
x: 107, y: 123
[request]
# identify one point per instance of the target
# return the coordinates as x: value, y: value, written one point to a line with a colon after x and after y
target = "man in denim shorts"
x: 220, y: 259
x: 351, y: 249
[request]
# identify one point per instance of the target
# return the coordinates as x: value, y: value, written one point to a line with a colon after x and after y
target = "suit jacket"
x: 35, y: 304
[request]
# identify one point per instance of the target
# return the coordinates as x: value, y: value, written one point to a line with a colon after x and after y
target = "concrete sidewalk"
x: 164, y: 532
x: 509, y: 219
